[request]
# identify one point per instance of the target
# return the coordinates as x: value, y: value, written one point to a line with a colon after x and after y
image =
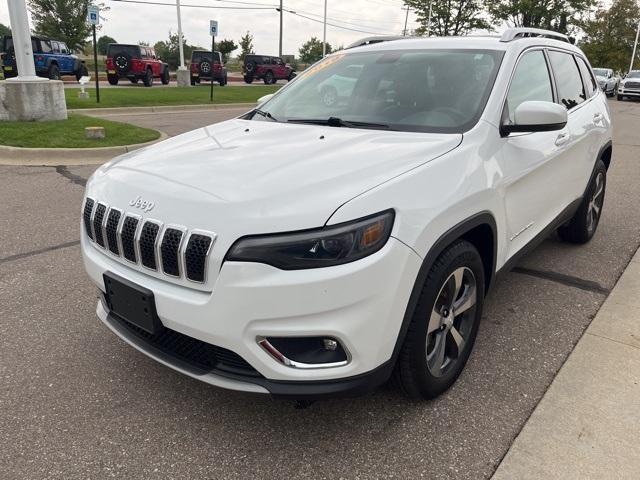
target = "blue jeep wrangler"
x: 51, y: 57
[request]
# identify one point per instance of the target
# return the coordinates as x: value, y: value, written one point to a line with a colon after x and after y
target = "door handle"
x: 597, y: 118
x: 562, y: 139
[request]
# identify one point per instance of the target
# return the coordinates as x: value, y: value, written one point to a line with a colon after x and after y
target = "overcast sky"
x: 131, y: 22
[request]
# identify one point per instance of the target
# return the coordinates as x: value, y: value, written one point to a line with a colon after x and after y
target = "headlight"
x: 322, y: 247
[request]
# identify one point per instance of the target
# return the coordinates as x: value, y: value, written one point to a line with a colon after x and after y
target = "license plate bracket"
x: 132, y: 302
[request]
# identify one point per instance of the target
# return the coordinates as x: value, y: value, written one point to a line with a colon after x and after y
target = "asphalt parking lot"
x: 77, y: 402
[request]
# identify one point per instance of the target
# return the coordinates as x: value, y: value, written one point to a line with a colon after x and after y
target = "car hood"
x: 266, y: 175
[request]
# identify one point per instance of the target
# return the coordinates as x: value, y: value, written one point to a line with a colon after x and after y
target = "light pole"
x: 406, y: 20
x: 182, y: 75
x: 429, y: 19
x: 635, y: 46
x: 22, y: 42
x: 324, y: 32
x: 280, y: 46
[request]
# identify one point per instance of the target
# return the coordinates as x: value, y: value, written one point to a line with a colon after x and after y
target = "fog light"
x: 305, y: 352
x: 330, y: 344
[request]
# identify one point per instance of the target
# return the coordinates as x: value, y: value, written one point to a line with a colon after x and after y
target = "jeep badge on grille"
x: 145, y: 205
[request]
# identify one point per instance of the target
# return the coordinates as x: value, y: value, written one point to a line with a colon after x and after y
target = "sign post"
x: 93, y: 17
x: 213, y: 31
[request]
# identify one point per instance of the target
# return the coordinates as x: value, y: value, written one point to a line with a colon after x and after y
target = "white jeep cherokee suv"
x: 308, y: 250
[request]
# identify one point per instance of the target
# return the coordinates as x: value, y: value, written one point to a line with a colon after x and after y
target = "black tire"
x: 250, y: 66
x: 430, y: 360
x: 133, y: 79
x: 112, y: 79
x: 122, y: 62
x: 269, y: 78
x: 81, y: 72
x: 620, y: 97
x: 148, y: 78
x: 54, y: 72
x: 223, y: 80
x: 291, y: 76
x: 164, y: 76
x: 193, y: 81
x: 584, y: 223
x: 248, y: 79
x: 206, y: 68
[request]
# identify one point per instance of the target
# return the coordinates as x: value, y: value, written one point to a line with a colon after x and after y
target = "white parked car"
x: 607, y: 80
x: 630, y: 85
x: 309, y: 250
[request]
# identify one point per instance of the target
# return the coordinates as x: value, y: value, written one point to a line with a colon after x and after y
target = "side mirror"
x: 265, y: 99
x: 536, y: 116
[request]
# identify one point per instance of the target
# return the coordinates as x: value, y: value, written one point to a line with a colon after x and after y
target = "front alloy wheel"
x: 444, y: 324
x: 451, y: 321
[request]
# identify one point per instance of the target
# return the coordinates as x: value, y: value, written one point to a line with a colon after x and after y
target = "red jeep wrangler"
x: 205, y: 66
x: 135, y: 62
x: 269, y: 69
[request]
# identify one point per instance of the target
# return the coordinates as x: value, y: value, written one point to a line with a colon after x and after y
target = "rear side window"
x: 589, y: 81
x: 568, y: 79
x: 131, y: 50
x: 530, y: 81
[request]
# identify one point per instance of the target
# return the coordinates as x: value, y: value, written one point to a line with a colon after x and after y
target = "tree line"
x: 606, y: 34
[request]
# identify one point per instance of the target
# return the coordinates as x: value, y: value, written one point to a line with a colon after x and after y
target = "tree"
x: 225, y: 47
x: 169, y: 51
x: 557, y: 15
x: 609, y: 36
x: 103, y: 43
x: 4, y: 30
x: 246, y: 46
x: 64, y: 20
x: 311, y: 51
x: 449, y: 17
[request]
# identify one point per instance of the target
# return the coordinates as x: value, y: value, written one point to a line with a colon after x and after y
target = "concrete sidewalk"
x: 587, y: 425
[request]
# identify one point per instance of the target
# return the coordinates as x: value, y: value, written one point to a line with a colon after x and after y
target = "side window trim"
x: 504, y: 115
x: 585, y: 81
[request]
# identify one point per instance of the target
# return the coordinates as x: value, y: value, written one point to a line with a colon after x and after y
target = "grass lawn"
x: 154, y: 96
x: 70, y: 133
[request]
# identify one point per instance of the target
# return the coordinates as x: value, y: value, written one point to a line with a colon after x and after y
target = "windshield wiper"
x: 264, y: 114
x: 338, y: 122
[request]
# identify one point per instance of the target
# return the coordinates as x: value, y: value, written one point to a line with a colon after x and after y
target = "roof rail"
x: 376, y: 39
x: 521, y: 32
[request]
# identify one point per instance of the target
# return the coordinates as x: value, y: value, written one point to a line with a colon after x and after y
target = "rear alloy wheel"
x: 583, y: 225
x: 54, y: 72
x: 445, y: 323
x: 248, y: 79
x: 148, y: 78
x: 269, y: 78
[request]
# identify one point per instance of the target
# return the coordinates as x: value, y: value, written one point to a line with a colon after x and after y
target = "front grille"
x: 180, y: 253
x: 97, y: 223
x: 195, y: 256
x: 113, y: 220
x: 86, y: 216
x: 148, y: 238
x: 170, y: 251
x: 632, y: 85
x: 196, y: 353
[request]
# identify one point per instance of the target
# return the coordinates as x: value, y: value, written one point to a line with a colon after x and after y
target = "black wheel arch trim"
x: 446, y: 239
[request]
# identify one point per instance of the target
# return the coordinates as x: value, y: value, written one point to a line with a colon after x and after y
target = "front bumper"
x: 627, y: 92
x: 361, y: 304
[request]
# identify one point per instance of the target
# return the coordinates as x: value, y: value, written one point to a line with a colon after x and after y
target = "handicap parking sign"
x: 93, y: 14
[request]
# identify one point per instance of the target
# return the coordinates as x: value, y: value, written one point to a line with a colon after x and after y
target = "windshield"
x: 600, y: 72
x: 635, y: 74
x: 409, y: 90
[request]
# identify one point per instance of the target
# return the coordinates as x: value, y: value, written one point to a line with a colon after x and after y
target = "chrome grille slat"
x: 98, y: 219
x: 170, y: 250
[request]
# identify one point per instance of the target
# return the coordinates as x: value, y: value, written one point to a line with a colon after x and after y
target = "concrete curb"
x: 67, y: 156
x: 159, y: 109
x: 586, y: 425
